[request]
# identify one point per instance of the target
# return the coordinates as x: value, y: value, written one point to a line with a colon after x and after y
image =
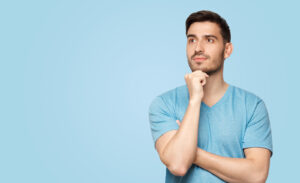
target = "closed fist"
x: 195, y: 82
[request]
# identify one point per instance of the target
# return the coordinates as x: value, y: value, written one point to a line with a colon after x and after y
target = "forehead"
x: 203, y: 28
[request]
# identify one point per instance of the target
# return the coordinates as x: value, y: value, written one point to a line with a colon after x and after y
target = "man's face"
x: 205, y: 47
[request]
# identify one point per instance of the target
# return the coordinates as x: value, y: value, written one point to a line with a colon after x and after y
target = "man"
x: 209, y: 130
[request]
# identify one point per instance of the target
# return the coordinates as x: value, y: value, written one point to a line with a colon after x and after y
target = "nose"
x: 199, y: 47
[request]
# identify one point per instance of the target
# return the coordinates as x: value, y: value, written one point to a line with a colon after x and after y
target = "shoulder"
x: 170, y: 97
x: 247, y: 96
x: 249, y: 100
x: 172, y: 94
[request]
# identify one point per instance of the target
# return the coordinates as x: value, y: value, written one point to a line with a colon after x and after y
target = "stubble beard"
x: 207, y: 70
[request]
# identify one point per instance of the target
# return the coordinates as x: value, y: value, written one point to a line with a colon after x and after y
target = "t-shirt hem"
x: 260, y: 146
x: 163, y: 132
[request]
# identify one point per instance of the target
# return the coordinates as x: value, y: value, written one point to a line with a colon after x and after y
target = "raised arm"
x: 177, y: 148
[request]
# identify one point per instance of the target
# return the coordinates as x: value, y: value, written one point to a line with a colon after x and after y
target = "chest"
x: 220, y: 129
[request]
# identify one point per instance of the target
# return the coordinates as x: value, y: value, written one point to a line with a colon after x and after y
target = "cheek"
x: 215, y: 52
x: 188, y: 52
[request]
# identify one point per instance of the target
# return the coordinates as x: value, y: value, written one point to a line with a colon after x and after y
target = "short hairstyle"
x: 205, y: 15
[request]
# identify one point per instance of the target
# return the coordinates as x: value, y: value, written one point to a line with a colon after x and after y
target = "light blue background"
x: 77, y: 78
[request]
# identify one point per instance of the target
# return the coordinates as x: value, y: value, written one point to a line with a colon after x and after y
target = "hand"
x: 195, y: 82
x: 178, y: 122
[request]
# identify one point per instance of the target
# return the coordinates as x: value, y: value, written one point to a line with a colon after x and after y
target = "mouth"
x: 199, y: 59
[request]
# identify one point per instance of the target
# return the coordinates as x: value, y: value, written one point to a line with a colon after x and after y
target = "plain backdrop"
x: 77, y: 78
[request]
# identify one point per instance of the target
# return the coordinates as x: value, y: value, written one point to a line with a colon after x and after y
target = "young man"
x: 209, y: 130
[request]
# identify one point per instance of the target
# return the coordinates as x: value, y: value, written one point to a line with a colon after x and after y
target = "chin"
x: 199, y: 68
x: 207, y: 71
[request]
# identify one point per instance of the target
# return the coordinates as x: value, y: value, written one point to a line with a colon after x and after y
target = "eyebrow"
x: 207, y: 36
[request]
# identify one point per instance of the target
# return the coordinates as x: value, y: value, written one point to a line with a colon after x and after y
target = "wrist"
x: 195, y: 101
x: 196, y: 158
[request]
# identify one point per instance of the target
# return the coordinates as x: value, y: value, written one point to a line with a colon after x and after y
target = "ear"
x: 228, y: 50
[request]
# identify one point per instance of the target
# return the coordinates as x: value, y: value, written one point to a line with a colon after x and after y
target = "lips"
x: 199, y: 59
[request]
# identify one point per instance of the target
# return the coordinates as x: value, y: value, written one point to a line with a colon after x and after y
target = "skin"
x: 204, y: 40
x: 178, y: 148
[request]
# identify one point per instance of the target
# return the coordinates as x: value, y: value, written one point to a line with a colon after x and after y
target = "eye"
x: 210, y: 40
x: 192, y: 40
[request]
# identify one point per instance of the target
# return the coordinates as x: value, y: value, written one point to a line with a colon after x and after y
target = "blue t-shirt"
x: 238, y: 120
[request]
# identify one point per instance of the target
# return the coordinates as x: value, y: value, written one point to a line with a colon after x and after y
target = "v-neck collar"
x: 228, y: 90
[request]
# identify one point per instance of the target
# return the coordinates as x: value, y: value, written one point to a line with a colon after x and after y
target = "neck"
x: 215, y: 86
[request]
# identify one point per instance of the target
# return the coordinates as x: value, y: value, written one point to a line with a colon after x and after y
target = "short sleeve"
x: 161, y: 118
x: 258, y: 131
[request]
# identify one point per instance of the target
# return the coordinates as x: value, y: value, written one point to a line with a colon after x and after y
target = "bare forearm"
x: 230, y: 169
x: 181, y: 149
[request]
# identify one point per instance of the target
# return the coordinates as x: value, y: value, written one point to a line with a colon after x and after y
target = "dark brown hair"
x: 205, y: 15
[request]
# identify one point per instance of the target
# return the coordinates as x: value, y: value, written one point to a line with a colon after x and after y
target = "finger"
x: 196, y: 74
x: 186, y: 75
x: 200, y: 71
x: 203, y: 82
x: 201, y: 74
x: 201, y: 78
